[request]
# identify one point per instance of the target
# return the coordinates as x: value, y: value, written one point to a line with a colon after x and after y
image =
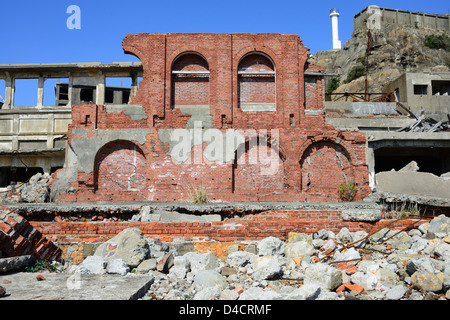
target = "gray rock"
x: 327, y: 277
x: 240, y: 259
x: 440, y: 226
x: 396, y: 292
x: 349, y: 254
x: 36, y: 190
x: 16, y: 263
x: 443, y: 251
x: 180, y: 267
x: 401, y: 241
x: 298, y: 249
x: 266, y: 267
x: 257, y: 293
x: 387, y: 277
x: 208, y: 293
x: 210, y: 278
x: 146, y: 265
x: 228, y: 294
x: 270, y: 246
x: 368, y: 281
x: 425, y: 280
x: 310, y: 291
x: 117, y: 266
x: 202, y: 261
x: 414, y: 265
x: 344, y: 236
x: 92, y: 265
x: 418, y: 244
x: 129, y: 245
x: 322, y: 234
x: 156, y: 248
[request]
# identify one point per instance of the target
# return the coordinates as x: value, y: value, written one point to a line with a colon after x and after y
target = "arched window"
x: 256, y: 83
x: 190, y: 81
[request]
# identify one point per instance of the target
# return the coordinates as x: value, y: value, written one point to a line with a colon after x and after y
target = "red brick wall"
x: 19, y: 237
x: 298, y: 137
x: 277, y: 223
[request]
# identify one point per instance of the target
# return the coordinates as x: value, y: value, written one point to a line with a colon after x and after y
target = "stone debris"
x: 328, y: 266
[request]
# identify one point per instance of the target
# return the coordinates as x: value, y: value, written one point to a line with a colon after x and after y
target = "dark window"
x: 420, y: 89
x: 87, y: 95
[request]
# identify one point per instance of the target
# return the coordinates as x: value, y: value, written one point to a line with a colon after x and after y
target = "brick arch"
x: 324, y: 164
x: 120, y: 168
x: 258, y: 172
x: 255, y: 49
x: 190, y: 87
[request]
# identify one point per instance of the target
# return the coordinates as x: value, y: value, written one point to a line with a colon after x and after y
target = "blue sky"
x: 36, y: 31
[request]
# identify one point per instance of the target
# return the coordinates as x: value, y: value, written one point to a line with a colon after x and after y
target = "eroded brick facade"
x: 257, y: 88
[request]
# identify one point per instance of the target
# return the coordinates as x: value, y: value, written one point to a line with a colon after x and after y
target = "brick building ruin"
x: 238, y: 115
x: 241, y: 117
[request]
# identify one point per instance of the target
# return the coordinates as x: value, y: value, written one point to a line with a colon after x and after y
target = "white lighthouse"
x: 334, y: 14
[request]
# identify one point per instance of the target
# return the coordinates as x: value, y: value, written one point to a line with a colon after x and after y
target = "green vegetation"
x: 41, y: 265
x: 347, y: 191
x: 355, y: 73
x: 438, y: 42
x: 333, y: 85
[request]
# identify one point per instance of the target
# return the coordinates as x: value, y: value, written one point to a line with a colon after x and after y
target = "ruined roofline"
x: 85, y: 66
x: 446, y: 15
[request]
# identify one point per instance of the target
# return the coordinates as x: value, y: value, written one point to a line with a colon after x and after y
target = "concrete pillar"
x: 70, y: 91
x: 40, y: 98
x: 9, y: 84
x: 100, y: 99
x: 134, y: 86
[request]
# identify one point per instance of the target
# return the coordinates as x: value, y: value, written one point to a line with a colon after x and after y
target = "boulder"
x: 240, y: 259
x: 180, y: 267
x: 396, y: 292
x: 129, y: 245
x: 266, y: 267
x: 440, y: 226
x: 92, y: 265
x: 309, y: 291
x: 298, y: 249
x: 270, y: 246
x: 327, y: 277
x: 425, y: 280
x: 201, y: 261
x: 117, y: 266
x: 210, y: 278
x: 146, y: 265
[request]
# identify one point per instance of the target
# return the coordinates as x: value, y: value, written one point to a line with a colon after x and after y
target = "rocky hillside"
x: 393, y: 51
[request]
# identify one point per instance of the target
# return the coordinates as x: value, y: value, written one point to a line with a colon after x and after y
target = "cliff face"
x: 393, y: 51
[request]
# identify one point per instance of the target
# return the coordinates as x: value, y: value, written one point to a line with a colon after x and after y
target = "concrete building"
x: 379, y: 17
x: 429, y: 91
x: 33, y: 138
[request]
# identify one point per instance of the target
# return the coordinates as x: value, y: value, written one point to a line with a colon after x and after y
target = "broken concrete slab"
x: 66, y: 286
x: 16, y: 263
x: 367, y: 215
x: 408, y: 183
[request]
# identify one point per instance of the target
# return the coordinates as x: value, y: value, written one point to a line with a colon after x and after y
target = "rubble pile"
x: 386, y: 264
